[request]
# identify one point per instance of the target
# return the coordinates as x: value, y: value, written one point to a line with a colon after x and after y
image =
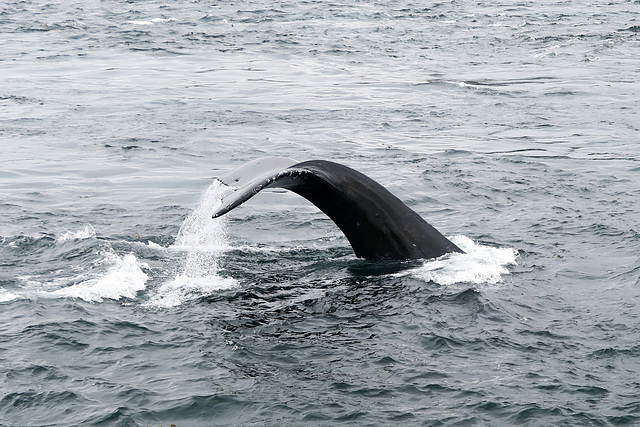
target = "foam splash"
x: 479, y: 265
x: 6, y: 296
x: 152, y: 21
x: 154, y: 245
x: 185, y: 288
x: 203, y: 239
x: 123, y: 279
x: 87, y: 232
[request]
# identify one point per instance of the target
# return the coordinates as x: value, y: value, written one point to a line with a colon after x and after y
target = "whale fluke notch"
x: 377, y: 224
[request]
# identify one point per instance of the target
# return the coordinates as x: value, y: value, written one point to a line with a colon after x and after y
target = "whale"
x: 377, y: 224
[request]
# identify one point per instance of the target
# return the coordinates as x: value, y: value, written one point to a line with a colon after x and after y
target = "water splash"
x: 123, y: 279
x: 478, y: 265
x: 87, y: 232
x: 203, y: 239
x: 6, y: 296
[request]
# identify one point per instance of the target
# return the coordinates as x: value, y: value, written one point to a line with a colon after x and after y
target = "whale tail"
x: 377, y: 224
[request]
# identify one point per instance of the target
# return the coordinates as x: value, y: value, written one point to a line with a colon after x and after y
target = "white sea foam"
x: 123, y: 279
x: 6, y: 296
x: 87, y: 232
x: 152, y: 21
x: 154, y: 245
x: 186, y: 288
x: 203, y: 239
x: 148, y: 245
x: 117, y: 277
x: 479, y: 265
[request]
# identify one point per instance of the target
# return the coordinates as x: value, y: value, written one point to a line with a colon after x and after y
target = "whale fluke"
x: 377, y: 224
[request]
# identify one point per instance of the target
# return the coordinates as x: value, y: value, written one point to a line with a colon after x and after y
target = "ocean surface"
x: 512, y: 127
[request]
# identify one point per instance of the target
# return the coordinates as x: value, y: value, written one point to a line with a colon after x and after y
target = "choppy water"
x: 513, y: 128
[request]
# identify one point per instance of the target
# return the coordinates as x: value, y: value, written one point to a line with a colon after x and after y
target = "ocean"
x: 512, y: 127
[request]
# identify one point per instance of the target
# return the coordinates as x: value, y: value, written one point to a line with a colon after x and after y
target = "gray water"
x: 512, y: 128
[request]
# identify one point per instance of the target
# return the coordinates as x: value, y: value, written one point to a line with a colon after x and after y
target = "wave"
x: 87, y: 232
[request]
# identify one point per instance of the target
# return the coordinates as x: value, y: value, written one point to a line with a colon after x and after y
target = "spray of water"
x: 202, y: 239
